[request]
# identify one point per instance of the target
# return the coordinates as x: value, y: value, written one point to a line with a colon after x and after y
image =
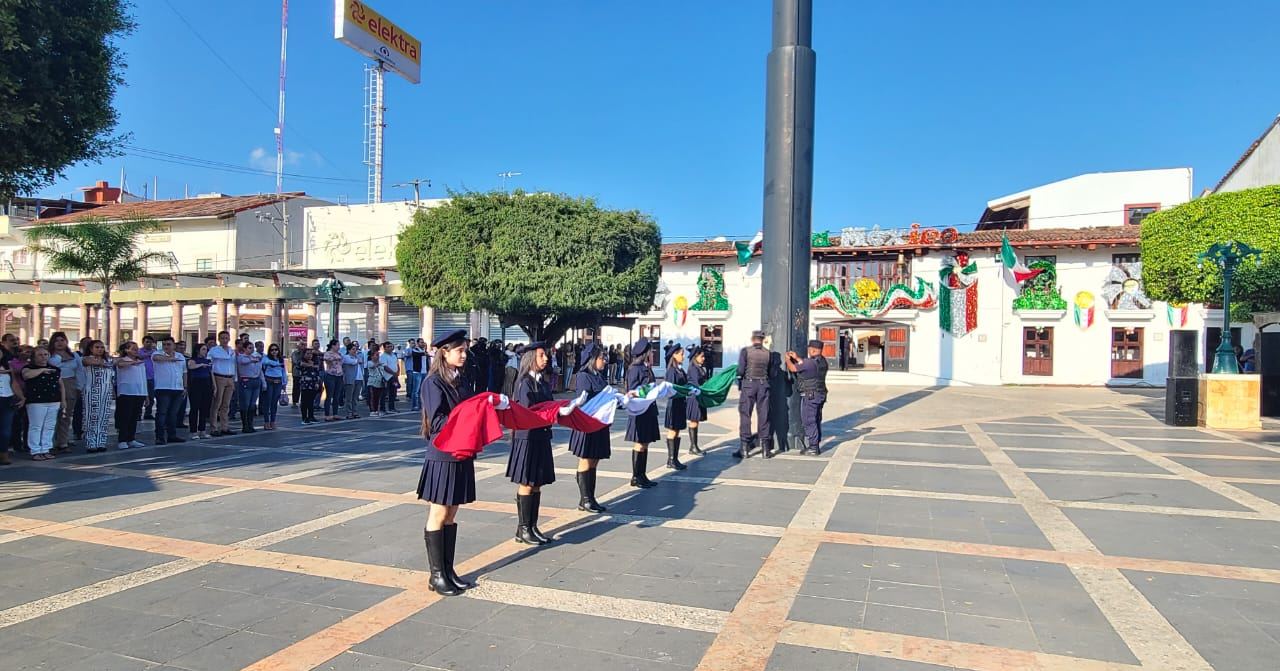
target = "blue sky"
x: 925, y: 110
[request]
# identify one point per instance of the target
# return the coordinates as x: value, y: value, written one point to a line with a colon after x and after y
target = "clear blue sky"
x: 925, y: 109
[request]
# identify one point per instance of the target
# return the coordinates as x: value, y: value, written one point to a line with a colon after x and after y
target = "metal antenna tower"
x: 373, y: 127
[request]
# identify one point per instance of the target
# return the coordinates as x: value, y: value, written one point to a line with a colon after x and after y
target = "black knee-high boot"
x: 533, y: 518
x: 586, y: 492
x: 438, y: 583
x: 693, y: 441
x: 450, y: 546
x: 639, y: 465
x: 524, y: 509
x: 673, y: 454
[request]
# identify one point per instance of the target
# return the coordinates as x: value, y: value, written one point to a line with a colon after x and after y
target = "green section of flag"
x: 715, y: 390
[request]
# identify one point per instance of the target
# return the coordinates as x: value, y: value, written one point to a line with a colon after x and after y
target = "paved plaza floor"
x: 967, y: 528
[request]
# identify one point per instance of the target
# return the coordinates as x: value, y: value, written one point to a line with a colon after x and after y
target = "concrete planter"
x: 1040, y: 315
x: 1120, y: 316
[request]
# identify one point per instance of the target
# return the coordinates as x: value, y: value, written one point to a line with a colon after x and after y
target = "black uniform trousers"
x: 755, y: 394
x: 811, y: 416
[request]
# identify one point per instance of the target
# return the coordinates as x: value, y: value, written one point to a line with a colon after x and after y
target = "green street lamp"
x: 332, y: 290
x: 1228, y: 255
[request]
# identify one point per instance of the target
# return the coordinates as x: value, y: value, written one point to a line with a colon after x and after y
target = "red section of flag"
x: 1021, y: 275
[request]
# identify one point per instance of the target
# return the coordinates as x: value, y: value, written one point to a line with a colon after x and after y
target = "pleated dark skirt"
x: 530, y: 462
x: 643, y: 428
x: 590, y: 445
x: 675, y: 417
x: 448, y: 483
x: 694, y: 412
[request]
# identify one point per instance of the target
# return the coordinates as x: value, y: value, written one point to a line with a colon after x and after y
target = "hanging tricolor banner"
x: 680, y: 311
x: 1021, y: 273
x: 1084, y: 310
x: 958, y: 298
x: 1177, y: 314
x: 746, y: 249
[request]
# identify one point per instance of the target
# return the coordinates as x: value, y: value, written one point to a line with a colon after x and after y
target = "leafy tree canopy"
x: 1172, y: 238
x: 106, y: 253
x: 545, y: 262
x: 59, y: 70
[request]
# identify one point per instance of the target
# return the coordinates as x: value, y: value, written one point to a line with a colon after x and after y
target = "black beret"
x: 641, y: 346
x: 460, y: 335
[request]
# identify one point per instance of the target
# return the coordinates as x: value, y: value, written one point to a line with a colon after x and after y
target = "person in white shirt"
x: 131, y: 394
x: 170, y: 369
x: 224, y: 384
x: 391, y: 374
x: 350, y: 374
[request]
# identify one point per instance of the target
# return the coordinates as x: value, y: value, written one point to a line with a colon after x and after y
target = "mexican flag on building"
x: 1021, y: 273
x: 958, y: 296
x: 746, y: 249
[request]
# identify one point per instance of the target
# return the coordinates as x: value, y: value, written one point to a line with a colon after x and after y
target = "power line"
x: 195, y: 161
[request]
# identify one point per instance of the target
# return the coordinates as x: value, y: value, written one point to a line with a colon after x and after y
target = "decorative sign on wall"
x: 1123, y: 288
x: 898, y: 297
x: 877, y: 237
x: 958, y: 299
x: 1083, y: 310
x: 1040, y: 291
x: 680, y: 311
x: 711, y: 293
x: 1177, y: 314
x: 660, y: 296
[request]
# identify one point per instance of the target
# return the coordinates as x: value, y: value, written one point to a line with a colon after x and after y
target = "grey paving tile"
x: 73, y: 502
x: 823, y: 610
x: 353, y: 661
x: 476, y: 651
x: 927, y: 478
x: 409, y: 641
x: 1116, y: 463
x: 109, y: 661
x: 934, y: 455
x: 458, y: 613
x: 1215, y: 541
x: 1015, y: 634
x: 668, y: 645
x: 176, y: 640
x: 915, y: 567
x: 868, y: 663
x: 1208, y: 446
x: 925, y: 437
x: 792, y: 657
x: 299, y: 621
x: 1102, y: 644
x: 45, y: 654
x: 100, y: 557
x: 544, y: 656
x: 720, y: 503
x: 1073, y: 443
x: 986, y: 604
x: 910, y: 621
x: 1139, y: 491
x: 234, y: 651
x: 1148, y: 431
x: 1056, y: 430
x: 1225, y: 468
x: 968, y: 521
x: 901, y: 594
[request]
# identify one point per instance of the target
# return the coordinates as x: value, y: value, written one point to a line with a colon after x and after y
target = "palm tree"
x: 96, y: 250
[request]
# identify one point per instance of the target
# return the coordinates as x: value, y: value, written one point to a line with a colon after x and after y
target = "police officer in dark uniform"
x: 811, y: 383
x: 754, y: 373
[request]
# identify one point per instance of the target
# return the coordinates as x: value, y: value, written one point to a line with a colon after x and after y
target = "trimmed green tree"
x: 1172, y: 238
x: 59, y: 69
x: 544, y: 262
x: 96, y: 250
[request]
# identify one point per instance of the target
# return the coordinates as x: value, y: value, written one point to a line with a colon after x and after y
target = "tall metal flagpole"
x: 788, y: 191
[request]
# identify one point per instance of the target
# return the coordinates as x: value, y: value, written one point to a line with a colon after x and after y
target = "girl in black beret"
x: 694, y: 412
x: 642, y: 429
x: 530, y: 464
x: 675, y: 418
x: 590, y: 448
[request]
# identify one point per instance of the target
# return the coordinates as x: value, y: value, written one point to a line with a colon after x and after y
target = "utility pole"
x: 415, y: 183
x: 788, y: 198
x: 505, y: 175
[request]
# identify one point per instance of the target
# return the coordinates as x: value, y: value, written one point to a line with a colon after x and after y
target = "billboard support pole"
x: 373, y: 128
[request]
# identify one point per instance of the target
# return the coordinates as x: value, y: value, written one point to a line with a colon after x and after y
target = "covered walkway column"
x: 24, y: 327
x: 370, y: 323
x: 140, y: 325
x: 55, y: 320
x: 428, y: 324
x: 311, y: 307
x: 202, y: 322
x: 220, y: 314
x: 84, y: 322
x: 384, y: 317
x: 233, y: 319
x: 37, y: 323
x: 273, y: 322
x: 175, y: 320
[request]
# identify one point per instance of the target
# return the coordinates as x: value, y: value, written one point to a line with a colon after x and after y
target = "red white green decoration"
x: 680, y: 311
x: 1021, y: 273
x: 1177, y: 314
x: 1041, y: 291
x: 1083, y: 305
x: 958, y: 298
x: 746, y: 249
x: 863, y: 302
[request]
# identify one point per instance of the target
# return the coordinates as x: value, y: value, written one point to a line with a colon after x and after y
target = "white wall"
x: 259, y: 243
x: 357, y: 236
x: 1098, y: 199
x: 743, y: 316
x: 1261, y: 168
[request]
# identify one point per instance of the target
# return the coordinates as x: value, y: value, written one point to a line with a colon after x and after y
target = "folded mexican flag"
x: 714, y: 391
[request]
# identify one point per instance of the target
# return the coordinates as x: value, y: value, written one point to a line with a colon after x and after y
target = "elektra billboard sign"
x: 372, y: 34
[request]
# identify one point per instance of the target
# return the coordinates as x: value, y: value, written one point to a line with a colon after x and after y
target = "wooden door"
x: 897, y: 349
x: 713, y: 345
x: 1037, y: 350
x: 1126, y: 352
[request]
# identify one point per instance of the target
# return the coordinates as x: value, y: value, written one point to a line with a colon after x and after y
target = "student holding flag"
x: 590, y: 448
x: 447, y: 481
x: 530, y: 464
x: 675, y: 420
x: 694, y: 412
x: 642, y: 429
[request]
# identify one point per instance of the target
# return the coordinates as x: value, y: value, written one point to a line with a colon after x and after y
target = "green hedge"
x: 1172, y: 238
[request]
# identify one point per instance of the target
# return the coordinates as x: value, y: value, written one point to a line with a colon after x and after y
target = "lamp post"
x: 1227, y: 255
x: 332, y: 290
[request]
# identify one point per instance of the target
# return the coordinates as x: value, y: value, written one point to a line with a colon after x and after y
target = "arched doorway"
x: 866, y: 344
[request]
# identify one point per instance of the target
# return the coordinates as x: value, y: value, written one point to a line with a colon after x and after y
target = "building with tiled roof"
x: 1259, y: 165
